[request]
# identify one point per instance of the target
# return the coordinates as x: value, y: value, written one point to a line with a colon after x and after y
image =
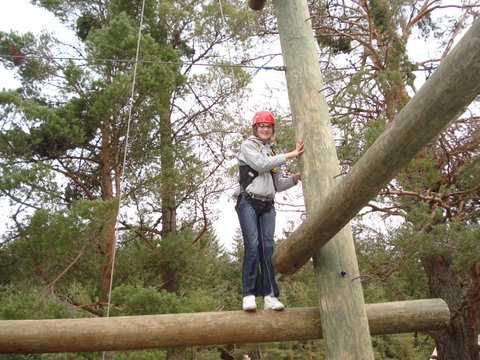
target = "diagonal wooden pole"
x: 442, y: 98
x: 340, y: 295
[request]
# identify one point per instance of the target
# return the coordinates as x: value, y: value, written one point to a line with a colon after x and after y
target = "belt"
x: 258, y: 197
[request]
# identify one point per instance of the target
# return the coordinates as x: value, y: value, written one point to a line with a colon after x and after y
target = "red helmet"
x: 263, y: 117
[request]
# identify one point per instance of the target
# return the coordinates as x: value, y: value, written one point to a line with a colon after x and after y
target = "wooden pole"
x: 341, y: 303
x: 209, y: 328
x: 256, y: 4
x: 441, y: 99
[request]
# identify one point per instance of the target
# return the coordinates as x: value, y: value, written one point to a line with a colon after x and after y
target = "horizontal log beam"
x: 256, y: 4
x: 442, y: 98
x: 208, y: 328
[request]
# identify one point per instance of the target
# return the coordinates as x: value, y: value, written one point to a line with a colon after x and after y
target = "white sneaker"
x: 249, y: 303
x: 271, y: 302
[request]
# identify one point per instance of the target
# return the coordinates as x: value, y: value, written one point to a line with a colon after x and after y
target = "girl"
x: 260, y: 179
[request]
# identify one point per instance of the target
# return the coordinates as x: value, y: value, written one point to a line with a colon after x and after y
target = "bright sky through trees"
x: 21, y: 16
x: 269, y: 89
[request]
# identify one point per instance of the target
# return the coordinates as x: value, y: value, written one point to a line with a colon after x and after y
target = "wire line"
x: 124, y: 161
x: 137, y: 61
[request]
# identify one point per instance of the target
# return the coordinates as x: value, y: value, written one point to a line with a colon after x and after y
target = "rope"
x: 124, y: 160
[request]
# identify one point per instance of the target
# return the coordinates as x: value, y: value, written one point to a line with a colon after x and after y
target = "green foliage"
x: 426, y: 25
x: 285, y: 140
x: 115, y: 41
x: 469, y: 175
x: 15, y: 176
x: 374, y: 129
x: 141, y: 355
x: 356, y: 79
x: 390, y: 78
x: 52, y: 356
x: 74, y: 75
x: 33, y: 71
x: 393, y: 263
x: 358, y: 138
x: 168, y: 260
x: 381, y: 15
x: 53, y: 241
x: 337, y: 45
x: 204, y: 276
x: 298, y: 350
x: 402, y: 347
x: 51, y: 132
x: 389, y: 274
x: 85, y: 23
x: 18, y: 303
x: 454, y: 240
x: 131, y: 300
x: 56, y: 136
x: 299, y: 289
x: 421, y: 172
x: 408, y: 68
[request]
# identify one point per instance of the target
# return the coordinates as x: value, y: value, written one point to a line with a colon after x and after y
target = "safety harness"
x: 247, y: 175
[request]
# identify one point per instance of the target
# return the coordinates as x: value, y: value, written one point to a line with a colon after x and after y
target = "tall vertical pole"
x: 340, y: 295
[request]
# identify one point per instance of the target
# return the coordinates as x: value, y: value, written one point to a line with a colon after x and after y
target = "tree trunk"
x: 443, y: 282
x: 107, y: 250
x: 473, y: 314
x: 107, y: 241
x: 169, y: 206
x: 167, y: 159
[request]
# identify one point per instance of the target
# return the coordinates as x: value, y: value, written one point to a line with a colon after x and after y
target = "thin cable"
x: 120, y: 61
x: 125, y: 158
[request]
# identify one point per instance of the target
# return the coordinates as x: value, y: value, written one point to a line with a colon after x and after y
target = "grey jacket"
x: 259, y: 155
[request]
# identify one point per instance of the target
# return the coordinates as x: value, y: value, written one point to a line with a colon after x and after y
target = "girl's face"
x: 264, y: 131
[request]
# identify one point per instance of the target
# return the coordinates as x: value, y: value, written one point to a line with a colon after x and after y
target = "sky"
x: 21, y: 16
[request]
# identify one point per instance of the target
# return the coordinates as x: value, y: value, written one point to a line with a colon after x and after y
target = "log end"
x: 256, y: 4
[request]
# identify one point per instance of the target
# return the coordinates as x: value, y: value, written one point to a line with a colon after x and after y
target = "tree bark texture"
x: 108, y: 237
x: 168, y: 188
x: 441, y: 99
x: 209, y: 328
x: 340, y: 298
x: 473, y: 312
x: 444, y: 283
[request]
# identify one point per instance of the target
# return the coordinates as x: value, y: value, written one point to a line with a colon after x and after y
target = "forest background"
x: 92, y: 171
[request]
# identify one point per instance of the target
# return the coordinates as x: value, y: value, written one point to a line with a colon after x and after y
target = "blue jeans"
x: 258, y: 277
